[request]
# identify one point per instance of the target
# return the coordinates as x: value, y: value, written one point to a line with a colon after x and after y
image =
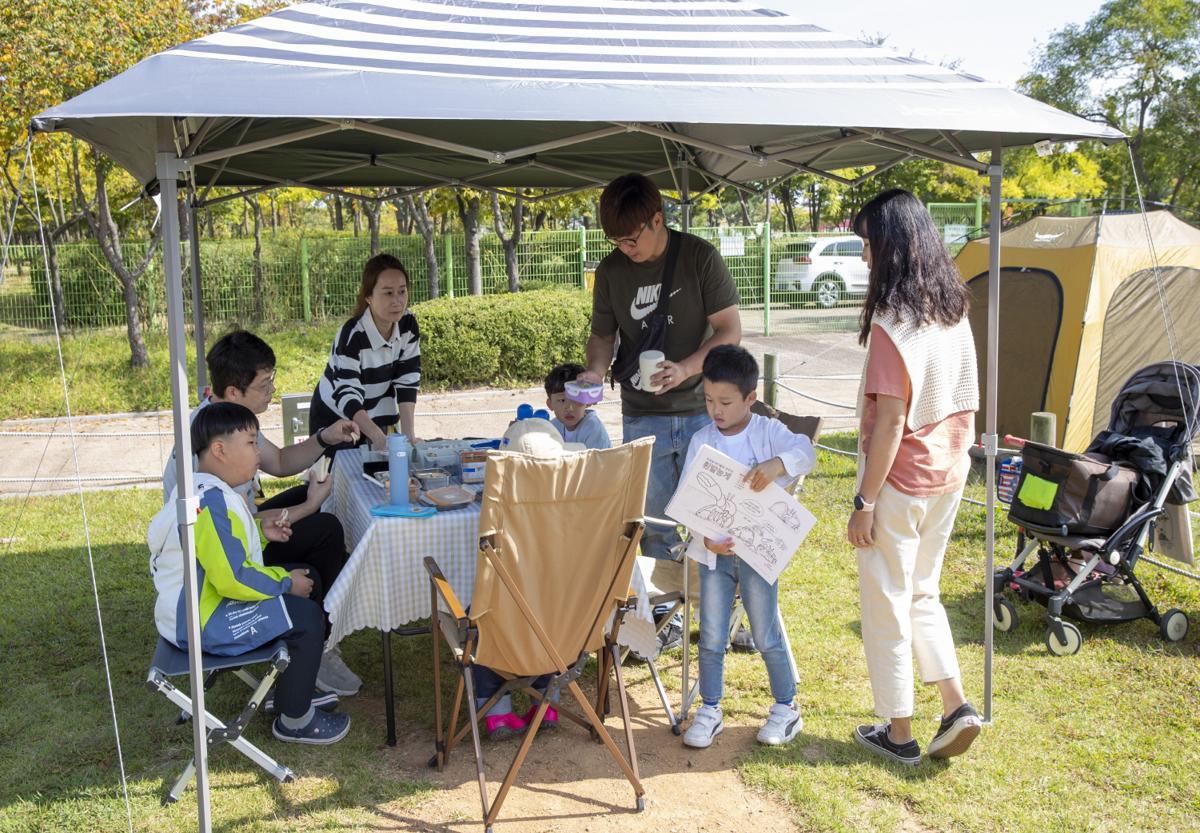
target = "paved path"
x: 122, y: 450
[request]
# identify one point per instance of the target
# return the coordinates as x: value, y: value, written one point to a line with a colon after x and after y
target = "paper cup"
x: 648, y: 363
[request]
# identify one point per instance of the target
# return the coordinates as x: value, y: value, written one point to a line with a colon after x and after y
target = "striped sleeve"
x: 343, y: 374
x: 223, y: 552
x: 407, y: 370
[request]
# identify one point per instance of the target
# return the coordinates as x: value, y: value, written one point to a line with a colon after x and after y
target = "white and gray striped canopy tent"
x: 499, y: 94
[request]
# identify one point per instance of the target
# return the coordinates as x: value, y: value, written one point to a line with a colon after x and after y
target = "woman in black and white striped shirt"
x: 374, y: 368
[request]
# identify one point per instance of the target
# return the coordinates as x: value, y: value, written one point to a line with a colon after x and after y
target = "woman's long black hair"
x: 912, y: 274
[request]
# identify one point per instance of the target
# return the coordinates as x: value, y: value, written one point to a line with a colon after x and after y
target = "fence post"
x: 978, y: 212
x: 770, y: 393
x: 448, y: 240
x: 305, y: 287
x: 582, y: 258
x: 766, y: 270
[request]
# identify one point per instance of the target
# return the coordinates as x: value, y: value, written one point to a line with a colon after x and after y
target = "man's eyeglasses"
x: 264, y: 385
x: 629, y: 242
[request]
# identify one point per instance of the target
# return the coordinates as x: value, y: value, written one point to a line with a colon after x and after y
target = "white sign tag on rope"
x: 767, y: 527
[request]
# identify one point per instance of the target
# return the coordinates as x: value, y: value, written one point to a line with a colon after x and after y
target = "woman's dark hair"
x: 627, y: 203
x: 220, y: 419
x: 732, y: 364
x: 236, y: 359
x: 912, y: 274
x: 372, y: 269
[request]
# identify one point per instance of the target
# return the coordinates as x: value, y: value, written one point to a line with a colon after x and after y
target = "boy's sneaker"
x: 743, y: 640
x: 706, y: 725
x: 671, y: 636
x: 324, y: 728
x: 783, y: 724
x: 333, y: 675
x: 326, y: 701
x: 875, y: 737
x: 957, y: 732
x: 549, y: 719
x: 500, y: 726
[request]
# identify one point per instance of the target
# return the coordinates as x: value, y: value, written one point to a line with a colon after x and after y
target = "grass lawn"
x: 1103, y: 741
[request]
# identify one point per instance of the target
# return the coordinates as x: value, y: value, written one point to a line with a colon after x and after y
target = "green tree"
x: 1134, y: 64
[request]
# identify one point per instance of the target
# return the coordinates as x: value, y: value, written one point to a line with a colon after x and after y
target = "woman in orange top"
x: 919, y: 395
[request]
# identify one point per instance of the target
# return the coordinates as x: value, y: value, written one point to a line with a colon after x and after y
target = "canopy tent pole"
x: 995, y: 171
x: 197, y: 294
x: 168, y: 169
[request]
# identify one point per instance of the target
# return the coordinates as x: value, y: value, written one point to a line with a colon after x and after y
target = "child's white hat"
x: 537, y: 438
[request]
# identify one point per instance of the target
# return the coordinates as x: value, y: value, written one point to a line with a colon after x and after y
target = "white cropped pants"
x: 902, y: 612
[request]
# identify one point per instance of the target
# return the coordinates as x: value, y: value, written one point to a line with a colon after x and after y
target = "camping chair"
x: 170, y: 661
x: 557, y: 543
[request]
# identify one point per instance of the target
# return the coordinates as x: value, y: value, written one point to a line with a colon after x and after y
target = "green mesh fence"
x: 294, y: 279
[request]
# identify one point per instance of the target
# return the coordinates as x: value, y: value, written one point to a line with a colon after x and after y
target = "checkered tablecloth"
x: 384, y: 585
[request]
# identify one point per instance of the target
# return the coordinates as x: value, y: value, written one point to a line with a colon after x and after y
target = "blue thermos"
x: 397, y: 455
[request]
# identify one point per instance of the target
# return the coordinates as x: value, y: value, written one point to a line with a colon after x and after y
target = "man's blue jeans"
x: 671, y: 437
x: 761, y: 600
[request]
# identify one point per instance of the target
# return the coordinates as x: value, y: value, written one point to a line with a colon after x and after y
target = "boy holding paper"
x: 774, y: 454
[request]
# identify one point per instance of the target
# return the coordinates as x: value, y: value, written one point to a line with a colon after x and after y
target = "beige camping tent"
x: 1082, y: 308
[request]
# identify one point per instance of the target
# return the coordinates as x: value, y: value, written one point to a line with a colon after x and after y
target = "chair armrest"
x: 444, y: 589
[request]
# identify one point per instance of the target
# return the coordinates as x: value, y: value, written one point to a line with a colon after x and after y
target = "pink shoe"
x: 550, y: 720
x: 503, y: 725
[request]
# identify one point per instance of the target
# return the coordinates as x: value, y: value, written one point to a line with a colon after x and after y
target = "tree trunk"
x: 539, y: 219
x: 56, y: 292
x: 208, y: 221
x: 744, y: 208
x: 510, y: 243
x: 339, y: 222
x: 373, y: 210
x: 418, y: 210
x: 108, y: 236
x: 356, y: 216
x: 468, y: 212
x: 786, y: 200
x: 257, y: 273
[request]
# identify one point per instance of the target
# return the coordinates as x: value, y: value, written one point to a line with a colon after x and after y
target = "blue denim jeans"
x: 671, y: 437
x: 761, y: 600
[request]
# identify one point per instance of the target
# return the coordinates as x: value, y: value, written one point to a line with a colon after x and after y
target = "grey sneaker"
x: 706, y: 725
x: 671, y: 636
x: 958, y: 730
x: 743, y: 640
x: 333, y: 675
x: 783, y: 724
x: 323, y: 729
x: 875, y: 737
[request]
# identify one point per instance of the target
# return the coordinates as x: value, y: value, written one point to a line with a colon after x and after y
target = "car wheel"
x: 828, y: 291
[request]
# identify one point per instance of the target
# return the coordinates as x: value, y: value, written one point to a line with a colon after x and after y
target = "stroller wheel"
x: 1005, y: 614
x: 1071, y: 642
x: 1173, y: 625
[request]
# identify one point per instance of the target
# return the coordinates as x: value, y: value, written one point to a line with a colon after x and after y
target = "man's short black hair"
x: 236, y: 359
x: 556, y: 379
x: 732, y: 364
x: 220, y: 419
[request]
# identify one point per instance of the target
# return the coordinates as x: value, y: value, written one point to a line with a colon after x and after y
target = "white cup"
x: 648, y: 363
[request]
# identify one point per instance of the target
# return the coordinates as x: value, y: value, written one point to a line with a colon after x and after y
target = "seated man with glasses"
x: 701, y: 313
x: 241, y: 369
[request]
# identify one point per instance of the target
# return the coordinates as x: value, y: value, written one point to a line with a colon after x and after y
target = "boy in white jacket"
x: 774, y: 454
x: 243, y: 604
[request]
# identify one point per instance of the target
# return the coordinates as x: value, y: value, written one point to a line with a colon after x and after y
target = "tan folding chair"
x: 558, y: 537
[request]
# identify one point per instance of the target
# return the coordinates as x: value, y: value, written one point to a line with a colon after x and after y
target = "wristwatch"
x: 861, y: 505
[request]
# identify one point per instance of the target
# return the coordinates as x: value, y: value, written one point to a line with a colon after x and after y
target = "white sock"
x: 298, y: 722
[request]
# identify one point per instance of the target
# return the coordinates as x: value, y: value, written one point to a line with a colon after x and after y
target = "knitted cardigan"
x: 941, y: 367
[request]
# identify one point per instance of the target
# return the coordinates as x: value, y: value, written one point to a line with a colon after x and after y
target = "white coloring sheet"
x: 767, y: 527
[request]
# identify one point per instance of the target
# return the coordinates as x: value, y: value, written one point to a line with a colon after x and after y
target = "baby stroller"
x: 1088, y: 516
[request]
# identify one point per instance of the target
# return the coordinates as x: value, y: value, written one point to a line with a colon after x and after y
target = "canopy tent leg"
x: 685, y: 222
x: 168, y: 169
x: 995, y: 173
x: 197, y: 294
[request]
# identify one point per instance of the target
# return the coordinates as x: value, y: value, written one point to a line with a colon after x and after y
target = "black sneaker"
x: 671, y: 636
x: 875, y: 737
x: 326, y: 701
x: 957, y: 732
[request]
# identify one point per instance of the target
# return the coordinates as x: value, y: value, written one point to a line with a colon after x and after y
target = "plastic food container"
x: 585, y: 393
x: 432, y: 478
x: 474, y: 466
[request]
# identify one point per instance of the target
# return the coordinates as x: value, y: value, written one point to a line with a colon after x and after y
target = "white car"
x: 824, y: 271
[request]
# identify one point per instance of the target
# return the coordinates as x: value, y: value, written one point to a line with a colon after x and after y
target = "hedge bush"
x: 501, y: 339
